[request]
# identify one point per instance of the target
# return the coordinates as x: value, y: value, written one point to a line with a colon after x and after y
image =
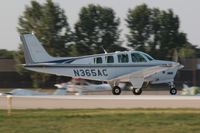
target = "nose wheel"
x: 116, y: 90
x: 173, y: 90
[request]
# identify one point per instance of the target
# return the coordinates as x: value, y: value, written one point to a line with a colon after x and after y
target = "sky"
x: 187, y: 10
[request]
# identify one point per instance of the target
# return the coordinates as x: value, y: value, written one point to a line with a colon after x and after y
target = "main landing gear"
x: 137, y: 91
x: 117, y: 91
x: 173, y: 90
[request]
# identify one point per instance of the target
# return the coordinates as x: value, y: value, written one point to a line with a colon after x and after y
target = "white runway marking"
x: 120, y: 97
x: 101, y: 101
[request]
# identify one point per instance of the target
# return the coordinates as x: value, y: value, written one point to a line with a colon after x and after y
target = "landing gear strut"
x: 173, y: 90
x: 137, y: 91
x: 116, y: 90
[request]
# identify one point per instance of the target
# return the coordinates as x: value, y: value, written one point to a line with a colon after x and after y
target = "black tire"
x: 173, y: 91
x: 137, y: 91
x: 116, y: 90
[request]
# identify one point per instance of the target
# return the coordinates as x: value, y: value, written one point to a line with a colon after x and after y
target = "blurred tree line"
x: 157, y: 32
x: 150, y: 30
x: 7, y: 54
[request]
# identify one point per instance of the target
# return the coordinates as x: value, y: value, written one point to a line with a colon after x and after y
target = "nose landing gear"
x: 173, y: 90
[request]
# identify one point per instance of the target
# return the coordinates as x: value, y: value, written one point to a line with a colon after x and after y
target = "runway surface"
x: 100, y: 101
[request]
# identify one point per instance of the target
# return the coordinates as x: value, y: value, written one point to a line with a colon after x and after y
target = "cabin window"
x: 137, y: 58
x: 122, y: 58
x: 98, y: 60
x: 109, y: 59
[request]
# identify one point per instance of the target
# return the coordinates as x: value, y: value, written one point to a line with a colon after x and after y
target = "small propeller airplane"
x: 135, y: 67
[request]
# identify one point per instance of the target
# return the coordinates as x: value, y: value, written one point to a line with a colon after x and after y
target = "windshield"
x: 136, y: 57
x: 148, y: 57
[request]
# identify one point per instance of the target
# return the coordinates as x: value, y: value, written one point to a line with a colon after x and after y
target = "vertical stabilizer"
x: 34, y: 52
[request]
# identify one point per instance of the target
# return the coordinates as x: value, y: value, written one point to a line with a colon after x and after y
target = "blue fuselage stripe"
x: 82, y: 66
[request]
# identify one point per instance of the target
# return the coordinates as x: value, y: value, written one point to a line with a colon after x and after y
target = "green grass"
x: 101, y: 121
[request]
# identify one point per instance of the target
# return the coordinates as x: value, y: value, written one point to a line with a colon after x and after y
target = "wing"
x: 142, y: 73
x: 138, y: 77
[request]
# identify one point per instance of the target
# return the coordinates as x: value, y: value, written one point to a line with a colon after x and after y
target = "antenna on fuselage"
x: 33, y: 33
x: 104, y: 50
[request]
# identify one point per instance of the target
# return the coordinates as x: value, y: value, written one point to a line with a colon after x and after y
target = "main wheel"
x: 116, y: 90
x: 137, y: 91
x: 173, y: 91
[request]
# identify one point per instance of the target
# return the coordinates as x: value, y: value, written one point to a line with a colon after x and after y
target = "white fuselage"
x: 87, y: 67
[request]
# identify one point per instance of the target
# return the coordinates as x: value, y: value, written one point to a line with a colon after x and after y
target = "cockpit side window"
x: 109, y: 59
x: 123, y: 58
x: 136, y: 57
x: 98, y: 60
